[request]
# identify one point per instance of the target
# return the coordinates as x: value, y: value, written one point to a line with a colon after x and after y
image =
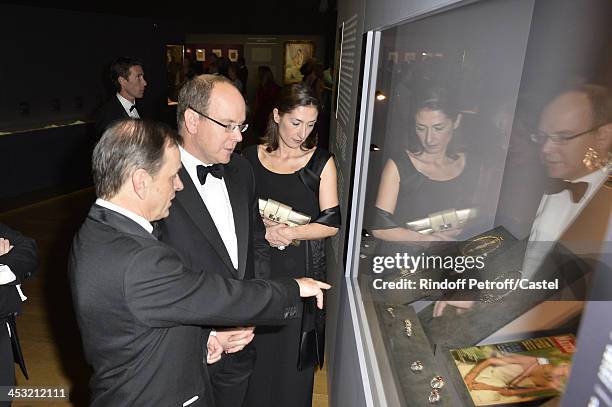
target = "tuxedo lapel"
x: 240, y: 210
x: 189, y: 198
x: 120, y: 110
x: 118, y: 221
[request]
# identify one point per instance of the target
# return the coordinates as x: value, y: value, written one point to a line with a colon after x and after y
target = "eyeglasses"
x: 229, y: 128
x: 540, y: 137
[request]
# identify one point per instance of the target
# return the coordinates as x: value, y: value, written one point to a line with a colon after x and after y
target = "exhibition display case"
x: 480, y: 215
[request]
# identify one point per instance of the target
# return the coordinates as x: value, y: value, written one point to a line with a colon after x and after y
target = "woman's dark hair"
x: 289, y: 98
x: 434, y: 98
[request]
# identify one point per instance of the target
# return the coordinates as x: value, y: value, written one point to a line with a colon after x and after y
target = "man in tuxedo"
x: 127, y: 77
x: 214, y: 223
x: 138, y: 307
x: 575, y: 139
x: 18, y: 260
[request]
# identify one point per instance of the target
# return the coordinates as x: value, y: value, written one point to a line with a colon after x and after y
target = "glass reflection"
x: 494, y: 142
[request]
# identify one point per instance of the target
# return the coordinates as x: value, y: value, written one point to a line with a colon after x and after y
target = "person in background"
x: 291, y: 169
x: 127, y: 77
x: 243, y: 75
x: 234, y: 77
x: 313, y: 77
x: 267, y: 91
x: 18, y: 261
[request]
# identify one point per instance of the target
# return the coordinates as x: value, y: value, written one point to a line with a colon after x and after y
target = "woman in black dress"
x: 432, y: 174
x: 290, y: 169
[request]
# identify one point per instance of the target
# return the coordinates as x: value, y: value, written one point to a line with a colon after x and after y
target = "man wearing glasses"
x: 575, y: 139
x: 214, y: 223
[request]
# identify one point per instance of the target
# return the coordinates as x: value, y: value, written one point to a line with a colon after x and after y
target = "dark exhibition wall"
x: 55, y: 60
x: 54, y: 72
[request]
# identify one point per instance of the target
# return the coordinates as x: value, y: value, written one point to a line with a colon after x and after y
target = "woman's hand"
x: 267, y: 222
x: 445, y: 236
x: 277, y: 235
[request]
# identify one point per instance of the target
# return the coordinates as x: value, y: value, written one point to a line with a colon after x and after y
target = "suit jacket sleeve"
x: 261, y: 247
x: 23, y: 257
x: 162, y: 293
x: 108, y: 113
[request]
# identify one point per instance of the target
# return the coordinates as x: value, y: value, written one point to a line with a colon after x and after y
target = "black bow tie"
x: 216, y: 170
x: 132, y: 107
x: 576, y: 189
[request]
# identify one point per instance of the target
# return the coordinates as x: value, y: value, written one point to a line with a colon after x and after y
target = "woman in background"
x: 290, y: 169
x: 267, y: 91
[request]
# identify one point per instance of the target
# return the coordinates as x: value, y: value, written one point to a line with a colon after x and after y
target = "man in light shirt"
x: 18, y: 260
x: 575, y: 138
x: 214, y: 223
x: 127, y: 77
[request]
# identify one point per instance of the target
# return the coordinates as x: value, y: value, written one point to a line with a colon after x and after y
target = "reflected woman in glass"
x: 289, y: 168
x: 431, y: 174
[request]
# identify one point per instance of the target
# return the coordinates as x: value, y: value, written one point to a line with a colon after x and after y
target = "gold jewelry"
x: 408, y: 328
x: 434, y: 396
x: 592, y: 160
x: 437, y: 382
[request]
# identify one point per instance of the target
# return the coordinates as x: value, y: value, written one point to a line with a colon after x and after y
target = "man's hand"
x: 214, y: 350
x: 235, y: 339
x: 5, y: 246
x: 460, y: 306
x: 312, y: 288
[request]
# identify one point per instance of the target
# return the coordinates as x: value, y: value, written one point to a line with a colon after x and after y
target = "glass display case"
x: 483, y: 203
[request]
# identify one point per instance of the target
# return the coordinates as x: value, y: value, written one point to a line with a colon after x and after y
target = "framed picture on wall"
x: 232, y: 54
x: 217, y: 52
x: 296, y: 53
x: 200, y: 55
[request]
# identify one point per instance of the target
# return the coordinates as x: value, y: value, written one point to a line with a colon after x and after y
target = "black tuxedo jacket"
x: 140, y: 311
x: 191, y: 230
x: 111, y: 111
x: 23, y: 261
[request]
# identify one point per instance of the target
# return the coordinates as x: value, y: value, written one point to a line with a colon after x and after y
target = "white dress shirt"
x: 127, y: 105
x: 555, y: 214
x: 6, y: 275
x: 146, y: 225
x: 215, y: 197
